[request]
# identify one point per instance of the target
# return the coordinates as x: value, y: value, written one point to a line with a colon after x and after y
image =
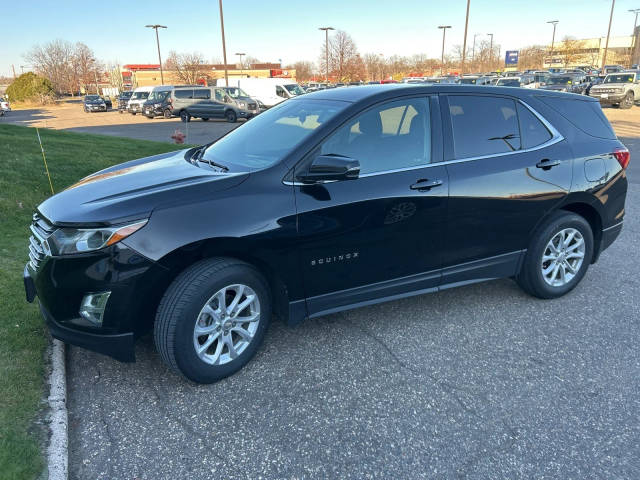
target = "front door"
x: 378, y: 236
x: 507, y: 169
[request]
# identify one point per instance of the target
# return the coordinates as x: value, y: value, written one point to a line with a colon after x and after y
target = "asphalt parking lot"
x: 477, y: 382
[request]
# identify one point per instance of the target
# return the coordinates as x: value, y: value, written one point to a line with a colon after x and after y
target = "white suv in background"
x: 4, y: 106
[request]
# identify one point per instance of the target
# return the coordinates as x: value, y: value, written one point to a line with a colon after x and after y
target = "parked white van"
x: 141, y: 94
x: 269, y: 91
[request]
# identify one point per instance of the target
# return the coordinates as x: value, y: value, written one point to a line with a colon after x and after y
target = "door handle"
x: 425, y: 184
x: 546, y: 164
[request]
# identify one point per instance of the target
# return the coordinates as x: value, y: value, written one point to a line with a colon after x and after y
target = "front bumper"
x: 153, y: 111
x: 135, y: 282
x: 96, y: 108
x: 134, y: 108
x: 608, y: 98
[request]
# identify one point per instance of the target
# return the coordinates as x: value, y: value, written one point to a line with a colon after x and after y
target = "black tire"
x: 134, y: 113
x: 181, y: 304
x: 167, y: 114
x: 628, y: 101
x: 231, y: 116
x: 205, y: 119
x: 184, y: 116
x: 530, y: 277
x: 150, y: 117
x: 120, y: 111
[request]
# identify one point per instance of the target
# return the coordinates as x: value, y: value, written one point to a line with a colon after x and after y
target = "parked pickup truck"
x: 620, y: 89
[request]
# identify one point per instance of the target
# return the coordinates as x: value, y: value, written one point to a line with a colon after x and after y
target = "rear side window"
x: 201, y: 93
x: 585, y: 115
x: 183, y: 93
x: 483, y: 125
x: 532, y: 130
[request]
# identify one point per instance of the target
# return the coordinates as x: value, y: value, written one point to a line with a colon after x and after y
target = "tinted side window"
x: 483, y: 125
x: 280, y: 92
x: 532, y: 131
x: 585, y: 115
x: 201, y: 93
x: 387, y: 137
x: 183, y: 93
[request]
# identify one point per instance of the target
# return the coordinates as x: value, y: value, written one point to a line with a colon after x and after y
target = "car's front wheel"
x: 231, y: 116
x: 558, y: 256
x: 628, y: 101
x: 212, y: 319
x: 167, y: 114
x: 184, y: 116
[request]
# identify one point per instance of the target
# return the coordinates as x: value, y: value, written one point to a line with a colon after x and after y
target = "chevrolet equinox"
x: 326, y: 202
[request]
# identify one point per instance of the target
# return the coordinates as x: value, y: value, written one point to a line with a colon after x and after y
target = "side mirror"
x: 330, y: 168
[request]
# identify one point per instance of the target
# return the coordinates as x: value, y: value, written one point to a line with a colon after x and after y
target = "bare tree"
x: 373, y: 64
x: 189, y: 67
x: 571, y: 50
x: 250, y: 60
x: 531, y: 57
x: 54, y: 60
x: 85, y: 68
x: 304, y: 71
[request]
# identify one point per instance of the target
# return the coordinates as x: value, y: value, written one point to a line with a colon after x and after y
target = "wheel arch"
x: 181, y: 258
x: 590, y: 213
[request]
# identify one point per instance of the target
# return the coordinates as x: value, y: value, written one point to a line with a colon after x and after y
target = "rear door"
x: 507, y: 168
x: 381, y: 234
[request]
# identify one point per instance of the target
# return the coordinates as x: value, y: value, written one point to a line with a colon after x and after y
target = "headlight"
x: 242, y: 105
x: 66, y: 241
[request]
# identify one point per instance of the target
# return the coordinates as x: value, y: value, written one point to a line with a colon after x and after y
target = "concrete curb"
x: 57, y: 452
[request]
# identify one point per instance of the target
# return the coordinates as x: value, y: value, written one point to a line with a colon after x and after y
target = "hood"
x: 132, y: 190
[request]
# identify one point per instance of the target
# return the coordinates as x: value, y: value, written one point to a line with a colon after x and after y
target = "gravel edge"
x: 57, y: 451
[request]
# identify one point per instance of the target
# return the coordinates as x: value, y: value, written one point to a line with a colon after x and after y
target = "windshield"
x: 559, y: 80
x: 468, y: 81
x: 508, y: 82
x: 294, y: 89
x: 139, y: 95
x: 619, y: 78
x: 236, y: 92
x: 126, y: 94
x: 540, y: 78
x: 270, y: 136
x: 91, y: 98
x: 158, y: 96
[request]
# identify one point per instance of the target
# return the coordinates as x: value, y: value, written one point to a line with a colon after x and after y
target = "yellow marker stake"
x: 45, y: 161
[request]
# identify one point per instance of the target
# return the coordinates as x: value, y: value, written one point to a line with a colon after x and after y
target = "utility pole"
x: 14, y: 70
x: 473, y: 51
x: 326, y: 51
x: 635, y: 37
x: 464, y: 43
x: 156, y: 27
x: 240, y: 55
x: 606, y: 45
x: 491, y: 49
x: 224, y: 46
x: 444, y: 32
x: 553, y: 36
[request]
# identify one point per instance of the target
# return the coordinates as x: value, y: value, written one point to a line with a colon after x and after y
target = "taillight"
x: 623, y: 156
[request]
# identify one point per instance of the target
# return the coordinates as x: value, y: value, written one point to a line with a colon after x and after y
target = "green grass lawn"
x: 23, y: 338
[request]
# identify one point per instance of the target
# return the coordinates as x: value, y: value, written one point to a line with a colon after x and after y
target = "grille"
x: 607, y: 90
x: 252, y: 106
x: 38, y: 249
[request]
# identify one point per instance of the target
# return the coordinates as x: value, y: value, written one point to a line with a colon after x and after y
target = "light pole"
x: 156, y: 27
x: 224, y: 46
x: 553, y: 36
x: 473, y: 51
x: 491, y: 49
x: 606, y: 45
x: 464, y: 43
x: 635, y: 25
x: 326, y: 51
x: 240, y: 55
x: 444, y: 32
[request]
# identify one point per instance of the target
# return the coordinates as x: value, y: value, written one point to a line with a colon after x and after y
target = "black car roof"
x: 383, y: 91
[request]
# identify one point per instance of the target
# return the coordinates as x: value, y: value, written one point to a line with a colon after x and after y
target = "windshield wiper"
x: 198, y: 156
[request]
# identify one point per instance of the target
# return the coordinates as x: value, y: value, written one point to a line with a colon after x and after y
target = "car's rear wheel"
x: 628, y: 101
x: 184, y: 116
x: 205, y: 119
x: 231, y: 116
x: 212, y: 319
x: 133, y: 113
x: 558, y: 256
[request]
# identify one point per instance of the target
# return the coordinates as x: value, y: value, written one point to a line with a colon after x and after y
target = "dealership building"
x: 142, y: 75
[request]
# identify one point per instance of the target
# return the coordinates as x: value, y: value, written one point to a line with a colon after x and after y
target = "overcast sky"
x: 276, y: 29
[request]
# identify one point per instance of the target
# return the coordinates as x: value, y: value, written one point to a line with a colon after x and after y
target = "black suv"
x: 123, y: 99
x: 326, y: 202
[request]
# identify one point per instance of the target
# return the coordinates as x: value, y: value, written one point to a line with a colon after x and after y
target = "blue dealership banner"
x: 511, y: 57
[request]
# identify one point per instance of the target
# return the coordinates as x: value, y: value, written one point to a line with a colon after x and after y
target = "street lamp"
x: 156, y: 27
x: 326, y: 51
x: 635, y: 25
x: 464, y: 43
x: 606, y: 45
x: 240, y: 55
x: 491, y: 48
x: 444, y: 32
x: 553, y: 36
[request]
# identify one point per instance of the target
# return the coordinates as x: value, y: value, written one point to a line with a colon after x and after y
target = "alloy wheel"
x: 226, y: 324
x: 562, y: 257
